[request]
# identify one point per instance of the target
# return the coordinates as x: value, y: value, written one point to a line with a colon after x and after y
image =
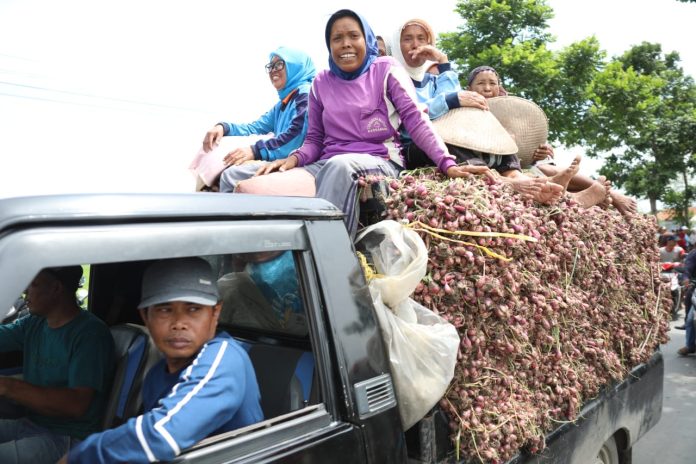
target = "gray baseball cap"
x: 182, y: 279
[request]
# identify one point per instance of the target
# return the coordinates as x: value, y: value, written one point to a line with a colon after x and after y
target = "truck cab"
x: 295, y: 297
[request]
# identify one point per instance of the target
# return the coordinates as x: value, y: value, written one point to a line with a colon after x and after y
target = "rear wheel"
x: 608, y: 454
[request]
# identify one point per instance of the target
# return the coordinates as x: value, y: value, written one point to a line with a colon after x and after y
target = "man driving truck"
x: 66, y: 376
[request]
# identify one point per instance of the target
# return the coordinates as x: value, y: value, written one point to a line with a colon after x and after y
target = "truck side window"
x: 20, y: 308
x: 262, y: 291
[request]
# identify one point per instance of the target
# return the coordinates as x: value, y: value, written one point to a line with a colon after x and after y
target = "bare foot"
x: 608, y: 200
x: 550, y: 193
x: 527, y: 186
x: 623, y: 203
x: 563, y: 177
x: 591, y: 196
x: 538, y: 189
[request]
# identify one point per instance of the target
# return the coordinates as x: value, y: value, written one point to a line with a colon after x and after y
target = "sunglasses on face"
x: 275, y: 66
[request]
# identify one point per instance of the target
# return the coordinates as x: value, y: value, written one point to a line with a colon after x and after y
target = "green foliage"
x: 644, y: 116
x: 638, y: 110
x: 493, y: 22
x: 511, y: 36
x: 679, y: 202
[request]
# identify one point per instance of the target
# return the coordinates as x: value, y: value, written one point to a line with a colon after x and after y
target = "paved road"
x: 673, y: 439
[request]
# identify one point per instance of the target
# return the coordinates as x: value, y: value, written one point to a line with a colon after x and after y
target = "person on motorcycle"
x: 682, y: 239
x: 671, y: 252
x: 690, y: 271
x: 671, y: 256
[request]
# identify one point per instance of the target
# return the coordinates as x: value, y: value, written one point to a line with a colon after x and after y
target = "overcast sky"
x: 116, y: 96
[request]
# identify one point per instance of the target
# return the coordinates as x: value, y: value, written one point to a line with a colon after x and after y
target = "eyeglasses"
x: 275, y: 66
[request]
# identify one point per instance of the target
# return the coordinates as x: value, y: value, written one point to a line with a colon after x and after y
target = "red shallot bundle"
x: 552, y: 303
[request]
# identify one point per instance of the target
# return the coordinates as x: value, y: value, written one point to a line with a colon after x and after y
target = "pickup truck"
x: 324, y: 375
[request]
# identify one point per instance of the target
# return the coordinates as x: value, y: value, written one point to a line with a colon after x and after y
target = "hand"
x: 464, y: 170
x: 472, y: 99
x: 63, y: 460
x: 428, y: 52
x: 278, y: 165
x: 212, y: 138
x: 543, y: 151
x: 238, y: 156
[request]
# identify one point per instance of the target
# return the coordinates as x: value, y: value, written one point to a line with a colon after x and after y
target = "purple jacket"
x: 363, y: 116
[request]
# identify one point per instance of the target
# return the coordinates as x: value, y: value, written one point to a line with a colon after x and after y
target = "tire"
x: 608, y: 454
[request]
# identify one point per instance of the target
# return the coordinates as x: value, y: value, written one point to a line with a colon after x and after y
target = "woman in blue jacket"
x: 291, y: 72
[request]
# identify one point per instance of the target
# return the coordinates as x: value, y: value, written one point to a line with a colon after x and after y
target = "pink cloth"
x: 208, y: 166
x: 296, y: 182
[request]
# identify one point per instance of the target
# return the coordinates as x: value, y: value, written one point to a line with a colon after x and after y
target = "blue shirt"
x: 216, y: 393
x: 77, y: 354
x: 287, y: 120
x: 690, y: 265
x: 439, y: 93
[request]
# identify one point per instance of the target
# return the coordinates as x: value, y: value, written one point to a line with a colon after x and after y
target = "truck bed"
x: 626, y: 411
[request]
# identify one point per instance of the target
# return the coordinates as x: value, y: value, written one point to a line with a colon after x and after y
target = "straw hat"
x: 525, y: 120
x: 475, y: 129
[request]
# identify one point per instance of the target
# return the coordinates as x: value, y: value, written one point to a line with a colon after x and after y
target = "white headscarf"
x: 417, y: 74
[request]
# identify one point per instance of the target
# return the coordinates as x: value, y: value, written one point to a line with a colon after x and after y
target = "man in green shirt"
x: 67, y: 371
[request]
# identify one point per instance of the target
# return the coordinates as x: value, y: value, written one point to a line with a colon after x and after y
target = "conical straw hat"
x: 525, y: 120
x: 475, y: 129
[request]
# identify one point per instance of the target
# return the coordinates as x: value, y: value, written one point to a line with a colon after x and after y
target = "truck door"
x: 283, y: 327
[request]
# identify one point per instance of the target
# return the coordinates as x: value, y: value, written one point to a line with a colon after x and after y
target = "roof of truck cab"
x: 119, y: 208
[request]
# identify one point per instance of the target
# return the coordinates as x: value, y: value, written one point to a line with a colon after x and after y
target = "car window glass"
x: 261, y: 291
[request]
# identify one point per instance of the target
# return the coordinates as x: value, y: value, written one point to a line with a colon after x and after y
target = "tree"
x: 637, y: 110
x: 511, y: 36
x: 643, y: 117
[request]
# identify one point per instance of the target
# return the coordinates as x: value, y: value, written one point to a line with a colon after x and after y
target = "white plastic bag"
x: 422, y: 346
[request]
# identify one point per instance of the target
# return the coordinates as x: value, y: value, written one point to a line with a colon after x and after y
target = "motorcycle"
x: 672, y: 273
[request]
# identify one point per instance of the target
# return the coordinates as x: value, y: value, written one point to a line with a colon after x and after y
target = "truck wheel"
x: 608, y: 454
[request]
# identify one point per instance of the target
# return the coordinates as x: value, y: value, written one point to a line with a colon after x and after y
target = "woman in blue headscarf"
x: 291, y: 73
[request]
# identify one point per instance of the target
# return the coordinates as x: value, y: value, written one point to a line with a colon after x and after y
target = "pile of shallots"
x: 552, y: 304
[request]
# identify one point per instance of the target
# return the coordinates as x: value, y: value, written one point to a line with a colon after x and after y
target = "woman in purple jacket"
x: 355, y: 109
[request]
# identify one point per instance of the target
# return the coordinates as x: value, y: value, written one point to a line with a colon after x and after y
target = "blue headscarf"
x: 299, y: 69
x: 371, y: 48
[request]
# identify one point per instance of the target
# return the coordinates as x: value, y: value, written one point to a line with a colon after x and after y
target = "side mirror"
x: 15, y: 310
x: 11, y: 312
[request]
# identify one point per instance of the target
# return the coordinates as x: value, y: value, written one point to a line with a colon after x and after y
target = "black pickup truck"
x: 309, y: 328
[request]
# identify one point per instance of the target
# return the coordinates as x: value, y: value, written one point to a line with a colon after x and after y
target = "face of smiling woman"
x: 347, y: 44
x: 278, y: 77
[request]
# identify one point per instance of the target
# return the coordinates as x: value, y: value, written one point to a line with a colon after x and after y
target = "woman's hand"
x: 464, y: 170
x: 428, y: 52
x: 238, y: 156
x: 543, y: 151
x: 212, y: 138
x: 472, y: 99
x: 278, y: 165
